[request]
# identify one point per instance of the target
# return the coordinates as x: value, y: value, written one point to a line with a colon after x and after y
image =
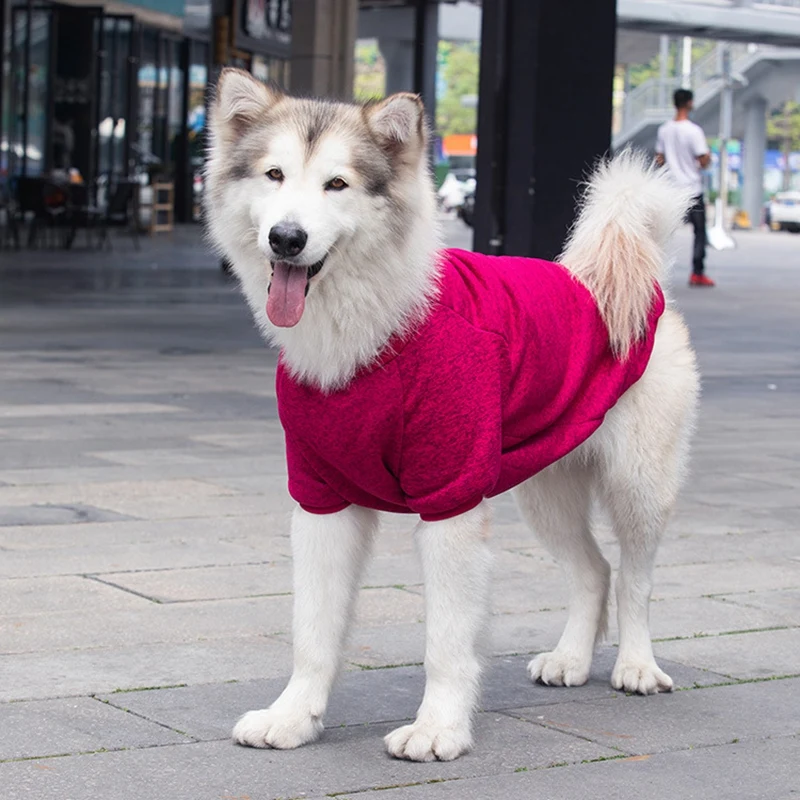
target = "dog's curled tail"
x: 628, y: 212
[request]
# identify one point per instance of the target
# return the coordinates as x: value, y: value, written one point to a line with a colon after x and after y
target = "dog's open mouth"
x: 286, y: 295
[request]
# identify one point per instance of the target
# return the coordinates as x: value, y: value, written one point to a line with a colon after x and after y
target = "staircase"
x: 650, y: 103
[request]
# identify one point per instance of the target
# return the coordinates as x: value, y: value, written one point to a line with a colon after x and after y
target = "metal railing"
x: 651, y: 101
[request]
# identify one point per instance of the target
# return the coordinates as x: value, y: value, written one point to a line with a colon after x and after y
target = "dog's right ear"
x: 398, y: 122
x: 240, y: 100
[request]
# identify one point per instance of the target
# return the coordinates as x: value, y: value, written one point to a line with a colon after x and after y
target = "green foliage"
x: 783, y: 126
x: 459, y: 64
x: 370, y: 77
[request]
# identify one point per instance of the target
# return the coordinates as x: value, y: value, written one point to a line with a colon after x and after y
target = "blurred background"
x: 104, y: 104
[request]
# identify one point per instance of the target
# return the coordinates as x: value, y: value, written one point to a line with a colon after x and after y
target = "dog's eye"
x: 337, y: 184
x: 274, y: 174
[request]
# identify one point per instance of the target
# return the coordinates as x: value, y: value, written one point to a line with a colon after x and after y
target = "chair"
x: 121, y: 211
x: 10, y: 231
x: 30, y: 201
x: 81, y: 213
x: 54, y: 204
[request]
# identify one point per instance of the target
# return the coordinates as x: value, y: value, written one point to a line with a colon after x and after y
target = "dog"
x: 414, y: 379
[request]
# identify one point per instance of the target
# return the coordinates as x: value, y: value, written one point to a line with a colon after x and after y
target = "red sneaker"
x: 700, y: 280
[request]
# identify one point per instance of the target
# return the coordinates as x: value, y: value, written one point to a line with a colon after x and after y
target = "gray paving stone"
x: 697, y: 616
x: 680, y: 720
x: 55, y: 514
x: 112, y: 558
x: 74, y: 725
x: 75, y: 672
x: 785, y: 603
x: 346, y: 759
x: 744, y: 771
x: 371, y: 696
x: 706, y: 547
x: 267, y: 533
x: 145, y: 622
x: 199, y: 457
x: 691, y: 580
x: 59, y: 594
x: 761, y: 654
x: 207, y: 583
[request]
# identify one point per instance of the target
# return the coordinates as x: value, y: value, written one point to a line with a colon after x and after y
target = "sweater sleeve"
x: 452, y: 440
x: 305, y: 485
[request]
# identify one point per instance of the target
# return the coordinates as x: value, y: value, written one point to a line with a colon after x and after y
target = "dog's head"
x: 296, y: 184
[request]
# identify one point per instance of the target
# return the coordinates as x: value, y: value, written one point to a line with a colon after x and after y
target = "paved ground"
x: 145, y: 576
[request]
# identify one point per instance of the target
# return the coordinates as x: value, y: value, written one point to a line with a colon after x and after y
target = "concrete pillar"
x: 529, y: 166
x: 398, y: 55
x: 408, y: 38
x: 323, y: 47
x: 755, y: 145
x: 426, y: 36
x: 663, y: 62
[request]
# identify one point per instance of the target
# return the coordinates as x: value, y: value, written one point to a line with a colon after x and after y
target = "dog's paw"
x: 641, y: 677
x: 428, y: 742
x: 559, y: 669
x: 272, y: 727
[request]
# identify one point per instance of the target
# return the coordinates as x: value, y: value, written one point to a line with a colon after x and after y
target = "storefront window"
x: 174, y: 100
x: 29, y: 92
x: 196, y: 121
x: 147, y: 89
x: 113, y: 100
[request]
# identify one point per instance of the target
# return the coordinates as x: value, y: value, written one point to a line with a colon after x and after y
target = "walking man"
x: 681, y: 146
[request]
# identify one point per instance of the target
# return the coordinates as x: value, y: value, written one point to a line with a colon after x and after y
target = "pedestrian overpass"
x: 775, y: 22
x: 764, y: 72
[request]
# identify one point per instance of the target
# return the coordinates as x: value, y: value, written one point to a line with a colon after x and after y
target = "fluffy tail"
x: 628, y: 213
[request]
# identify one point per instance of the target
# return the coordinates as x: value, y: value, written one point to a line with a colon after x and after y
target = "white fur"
x: 628, y: 214
x: 371, y: 285
x: 456, y: 565
x: 370, y: 289
x: 329, y: 556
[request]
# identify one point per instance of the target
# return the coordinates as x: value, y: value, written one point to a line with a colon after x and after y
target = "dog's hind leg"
x: 556, y: 504
x: 642, y: 453
x: 456, y: 564
x: 329, y: 553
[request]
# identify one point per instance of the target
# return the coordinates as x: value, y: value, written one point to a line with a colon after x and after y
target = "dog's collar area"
x: 314, y: 269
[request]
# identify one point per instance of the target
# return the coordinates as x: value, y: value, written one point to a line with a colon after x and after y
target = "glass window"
x: 146, y: 80
x: 196, y: 120
x: 174, y: 102
x: 38, y: 92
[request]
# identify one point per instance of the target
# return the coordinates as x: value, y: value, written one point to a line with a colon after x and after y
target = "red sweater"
x: 510, y: 371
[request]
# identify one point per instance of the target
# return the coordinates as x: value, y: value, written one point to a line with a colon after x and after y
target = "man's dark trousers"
x: 697, y: 216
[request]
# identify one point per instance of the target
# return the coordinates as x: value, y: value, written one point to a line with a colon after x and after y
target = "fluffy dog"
x: 418, y: 380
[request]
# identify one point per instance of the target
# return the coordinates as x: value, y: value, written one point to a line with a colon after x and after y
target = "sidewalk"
x: 145, y: 575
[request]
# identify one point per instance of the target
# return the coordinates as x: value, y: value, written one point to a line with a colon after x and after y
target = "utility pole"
x: 718, y: 235
x: 686, y: 65
x: 663, y: 63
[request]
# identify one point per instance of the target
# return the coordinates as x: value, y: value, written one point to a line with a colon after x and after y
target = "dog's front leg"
x: 456, y: 564
x: 329, y: 553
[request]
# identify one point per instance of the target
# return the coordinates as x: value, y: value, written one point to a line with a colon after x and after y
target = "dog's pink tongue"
x: 287, y: 295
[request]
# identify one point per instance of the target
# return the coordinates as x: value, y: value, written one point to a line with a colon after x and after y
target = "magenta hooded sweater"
x: 510, y: 371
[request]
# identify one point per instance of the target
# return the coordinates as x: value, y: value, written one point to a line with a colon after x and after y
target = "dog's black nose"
x: 287, y: 240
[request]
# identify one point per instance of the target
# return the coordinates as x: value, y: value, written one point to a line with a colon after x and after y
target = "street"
x: 145, y: 573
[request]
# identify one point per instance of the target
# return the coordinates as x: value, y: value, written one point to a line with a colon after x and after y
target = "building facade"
x: 112, y: 91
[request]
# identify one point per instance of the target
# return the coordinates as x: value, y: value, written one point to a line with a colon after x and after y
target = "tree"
x: 458, y: 65
x: 784, y: 127
x: 370, y: 78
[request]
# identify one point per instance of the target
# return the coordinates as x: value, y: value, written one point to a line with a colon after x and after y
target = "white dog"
x: 400, y: 384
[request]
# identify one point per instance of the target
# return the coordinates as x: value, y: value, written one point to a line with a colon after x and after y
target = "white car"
x: 784, y: 212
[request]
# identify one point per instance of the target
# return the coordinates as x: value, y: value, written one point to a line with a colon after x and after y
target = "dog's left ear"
x: 398, y: 122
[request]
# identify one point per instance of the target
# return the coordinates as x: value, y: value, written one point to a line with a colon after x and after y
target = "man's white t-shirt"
x: 682, y: 143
